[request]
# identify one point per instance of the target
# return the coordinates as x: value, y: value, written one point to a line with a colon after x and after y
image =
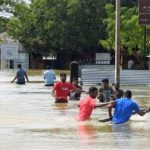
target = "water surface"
x: 29, y: 120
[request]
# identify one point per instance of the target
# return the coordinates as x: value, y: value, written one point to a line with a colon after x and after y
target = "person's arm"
x: 79, y: 90
x: 26, y: 77
x: 121, y: 91
x: 55, y: 87
x: 101, y: 104
x: 44, y: 75
x: 14, y: 78
x: 99, y: 95
x: 110, y: 106
x: 54, y: 76
x: 112, y: 95
x: 143, y: 112
x: 53, y: 93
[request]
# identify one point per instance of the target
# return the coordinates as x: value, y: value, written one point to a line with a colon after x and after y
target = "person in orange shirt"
x: 87, y: 104
x: 62, y: 89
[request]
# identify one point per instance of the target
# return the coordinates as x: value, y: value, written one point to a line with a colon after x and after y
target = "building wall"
x: 11, y: 56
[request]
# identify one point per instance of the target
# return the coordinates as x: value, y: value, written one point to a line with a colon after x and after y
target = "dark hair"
x: 128, y: 94
x: 74, y: 79
x: 105, y: 80
x: 19, y: 65
x: 48, y: 67
x: 92, y: 89
x: 63, y: 74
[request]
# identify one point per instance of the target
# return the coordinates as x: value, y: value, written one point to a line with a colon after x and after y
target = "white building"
x: 12, y: 53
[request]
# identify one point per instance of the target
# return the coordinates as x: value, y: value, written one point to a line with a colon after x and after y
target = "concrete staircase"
x: 93, y: 75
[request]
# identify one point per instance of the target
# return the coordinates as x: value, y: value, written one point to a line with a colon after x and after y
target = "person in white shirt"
x: 49, y: 76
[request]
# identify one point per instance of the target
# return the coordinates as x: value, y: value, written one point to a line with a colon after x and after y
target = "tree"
x: 85, y: 26
x: 131, y: 31
x: 5, y: 6
x: 58, y: 25
x: 21, y: 26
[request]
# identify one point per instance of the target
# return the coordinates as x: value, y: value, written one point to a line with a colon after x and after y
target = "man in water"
x: 74, y: 94
x: 106, y: 92
x: 87, y: 104
x: 62, y: 89
x: 118, y: 92
x: 20, y: 75
x: 49, y: 76
x: 124, y: 108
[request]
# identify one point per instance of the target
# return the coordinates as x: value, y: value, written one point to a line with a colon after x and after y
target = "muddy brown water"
x: 29, y: 120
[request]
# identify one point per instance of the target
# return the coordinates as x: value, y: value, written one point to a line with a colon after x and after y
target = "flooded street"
x: 29, y: 120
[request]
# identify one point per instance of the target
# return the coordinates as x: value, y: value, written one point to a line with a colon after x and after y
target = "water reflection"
x: 86, y: 131
x: 86, y: 134
x: 122, y: 135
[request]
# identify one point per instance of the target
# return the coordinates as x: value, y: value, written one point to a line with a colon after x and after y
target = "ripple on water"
x: 29, y: 119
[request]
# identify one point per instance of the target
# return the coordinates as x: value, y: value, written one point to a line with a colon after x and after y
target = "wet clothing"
x: 86, y: 105
x: 106, y: 94
x: 62, y: 89
x: 124, y: 108
x: 61, y: 100
x: 21, y: 73
x: 49, y: 76
x: 75, y: 95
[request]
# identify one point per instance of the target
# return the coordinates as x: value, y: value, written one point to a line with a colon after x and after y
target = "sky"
x: 27, y: 1
x: 8, y: 15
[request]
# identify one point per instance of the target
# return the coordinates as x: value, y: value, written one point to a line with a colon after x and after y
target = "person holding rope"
x: 124, y: 108
x: 62, y: 89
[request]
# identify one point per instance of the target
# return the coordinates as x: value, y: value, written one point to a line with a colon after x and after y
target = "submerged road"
x: 29, y: 120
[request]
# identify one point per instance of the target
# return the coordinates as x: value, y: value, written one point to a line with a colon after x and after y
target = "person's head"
x: 19, y: 65
x: 93, y: 92
x: 128, y: 94
x: 117, y: 86
x: 118, y: 95
x: 63, y: 77
x: 105, y: 82
x: 75, y: 81
x: 48, y: 67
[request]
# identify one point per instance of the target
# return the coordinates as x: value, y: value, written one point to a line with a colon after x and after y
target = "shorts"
x: 61, y: 100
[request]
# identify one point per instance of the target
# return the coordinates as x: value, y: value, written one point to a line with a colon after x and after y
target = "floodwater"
x: 29, y: 120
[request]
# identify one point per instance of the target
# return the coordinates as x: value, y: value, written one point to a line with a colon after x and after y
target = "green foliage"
x: 55, y: 25
x: 22, y: 24
x: 5, y: 6
x: 131, y: 32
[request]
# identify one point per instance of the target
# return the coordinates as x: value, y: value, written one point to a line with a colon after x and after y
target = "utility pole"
x: 117, y: 43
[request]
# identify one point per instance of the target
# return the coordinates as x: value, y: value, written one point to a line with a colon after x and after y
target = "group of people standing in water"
x: 111, y: 98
